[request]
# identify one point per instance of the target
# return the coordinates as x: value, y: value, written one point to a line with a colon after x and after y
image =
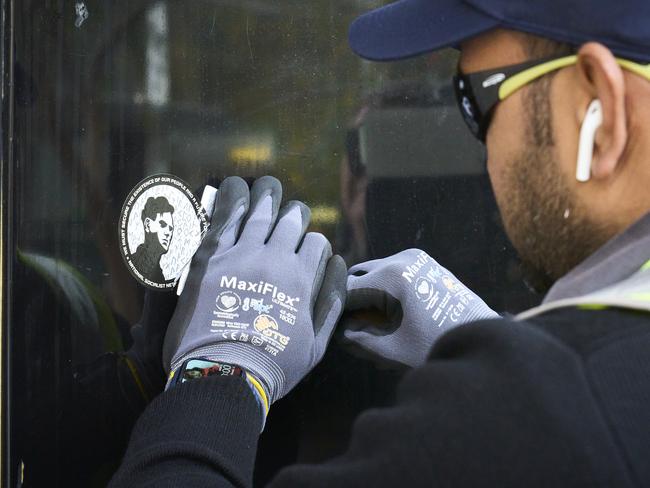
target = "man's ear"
x: 602, y: 78
x: 147, y: 225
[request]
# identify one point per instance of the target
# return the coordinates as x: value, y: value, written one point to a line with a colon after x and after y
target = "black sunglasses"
x: 478, y: 93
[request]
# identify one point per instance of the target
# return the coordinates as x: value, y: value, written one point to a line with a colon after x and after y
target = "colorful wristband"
x: 197, y: 368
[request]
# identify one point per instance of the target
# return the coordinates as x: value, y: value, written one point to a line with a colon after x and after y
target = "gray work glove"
x: 260, y: 293
x: 420, y: 299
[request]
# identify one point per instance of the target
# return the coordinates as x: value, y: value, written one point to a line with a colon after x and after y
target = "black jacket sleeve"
x: 197, y: 434
x: 498, y: 403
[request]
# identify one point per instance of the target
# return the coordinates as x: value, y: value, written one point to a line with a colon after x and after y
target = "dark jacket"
x: 559, y: 400
x: 146, y: 259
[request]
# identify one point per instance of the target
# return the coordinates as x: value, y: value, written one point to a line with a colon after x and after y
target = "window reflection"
x: 157, y: 56
x: 203, y: 90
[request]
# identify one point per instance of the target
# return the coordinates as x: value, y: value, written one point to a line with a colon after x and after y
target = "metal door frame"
x: 6, y: 205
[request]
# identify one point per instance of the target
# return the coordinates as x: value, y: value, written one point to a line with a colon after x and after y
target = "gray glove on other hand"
x: 421, y: 300
x: 260, y: 293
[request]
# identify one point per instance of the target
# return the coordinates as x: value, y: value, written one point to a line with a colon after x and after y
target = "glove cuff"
x: 261, y: 395
x: 208, y: 365
x: 268, y: 374
x: 482, y: 312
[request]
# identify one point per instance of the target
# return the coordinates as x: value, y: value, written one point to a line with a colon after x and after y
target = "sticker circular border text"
x: 149, y: 182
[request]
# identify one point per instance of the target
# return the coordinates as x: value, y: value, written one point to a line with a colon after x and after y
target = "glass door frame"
x: 6, y: 243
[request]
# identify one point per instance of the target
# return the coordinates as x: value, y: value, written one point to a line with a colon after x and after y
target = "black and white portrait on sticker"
x: 161, y: 226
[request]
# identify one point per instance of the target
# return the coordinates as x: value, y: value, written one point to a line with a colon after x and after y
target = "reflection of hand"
x: 419, y: 298
x: 260, y: 293
x: 145, y: 354
x: 353, y: 207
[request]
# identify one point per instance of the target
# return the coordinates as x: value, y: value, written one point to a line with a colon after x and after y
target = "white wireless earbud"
x: 593, y: 120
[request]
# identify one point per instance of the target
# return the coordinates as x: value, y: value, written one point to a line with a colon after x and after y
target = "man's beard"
x: 544, y: 220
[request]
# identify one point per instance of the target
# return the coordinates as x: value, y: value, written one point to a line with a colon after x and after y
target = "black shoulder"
x: 586, y: 330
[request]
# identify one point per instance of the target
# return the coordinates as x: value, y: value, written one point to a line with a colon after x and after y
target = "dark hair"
x: 155, y: 206
x: 541, y: 47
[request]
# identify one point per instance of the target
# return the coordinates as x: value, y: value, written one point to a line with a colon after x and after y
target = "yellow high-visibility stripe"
x: 645, y: 266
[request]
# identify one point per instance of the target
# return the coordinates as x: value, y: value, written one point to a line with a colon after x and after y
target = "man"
x: 555, y: 397
x: 158, y: 223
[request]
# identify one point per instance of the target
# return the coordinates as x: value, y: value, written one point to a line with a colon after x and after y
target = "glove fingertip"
x: 358, y: 270
x: 354, y: 335
x: 232, y: 200
x: 264, y: 206
x: 305, y: 211
x: 262, y: 188
x: 325, y: 330
x: 355, y: 282
x: 332, y: 294
x: 233, y: 192
x: 339, y: 271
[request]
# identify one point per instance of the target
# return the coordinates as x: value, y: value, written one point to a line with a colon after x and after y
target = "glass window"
x: 106, y: 93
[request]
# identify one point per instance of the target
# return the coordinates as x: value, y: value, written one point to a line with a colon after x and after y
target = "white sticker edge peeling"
x: 208, y: 200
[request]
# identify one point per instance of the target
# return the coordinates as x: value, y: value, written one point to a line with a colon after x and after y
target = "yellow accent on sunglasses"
x: 519, y: 80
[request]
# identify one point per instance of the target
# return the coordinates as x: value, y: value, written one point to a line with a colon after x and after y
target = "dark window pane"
x: 109, y: 92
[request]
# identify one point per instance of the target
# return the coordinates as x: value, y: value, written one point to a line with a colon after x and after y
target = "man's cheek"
x: 507, y: 131
x: 502, y: 154
x: 497, y: 168
x: 494, y: 166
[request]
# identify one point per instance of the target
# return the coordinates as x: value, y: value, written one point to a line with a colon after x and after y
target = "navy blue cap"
x: 410, y: 27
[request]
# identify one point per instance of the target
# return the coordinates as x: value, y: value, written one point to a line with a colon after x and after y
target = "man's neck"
x: 153, y: 246
x: 616, y: 260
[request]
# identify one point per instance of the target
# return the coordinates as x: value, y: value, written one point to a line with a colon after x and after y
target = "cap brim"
x: 410, y: 27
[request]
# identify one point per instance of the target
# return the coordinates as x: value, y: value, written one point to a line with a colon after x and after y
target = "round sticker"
x: 161, y: 226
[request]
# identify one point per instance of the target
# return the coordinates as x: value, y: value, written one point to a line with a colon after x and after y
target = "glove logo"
x: 451, y: 285
x: 424, y: 289
x: 257, y: 305
x: 228, y: 301
x: 264, y: 322
x: 268, y: 326
x: 413, y: 269
x: 262, y: 288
